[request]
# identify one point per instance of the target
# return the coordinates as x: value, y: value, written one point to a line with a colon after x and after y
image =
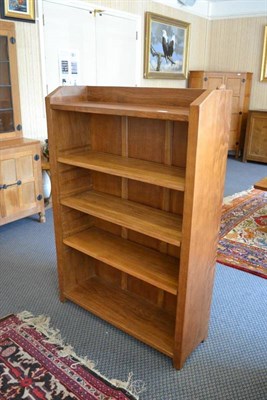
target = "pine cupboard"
x: 20, y: 161
x: 240, y: 84
x: 137, y: 190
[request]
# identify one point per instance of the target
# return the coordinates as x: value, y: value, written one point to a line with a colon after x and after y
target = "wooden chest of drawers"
x: 255, y: 148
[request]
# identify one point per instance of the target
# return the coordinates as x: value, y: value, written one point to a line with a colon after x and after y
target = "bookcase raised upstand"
x: 137, y: 190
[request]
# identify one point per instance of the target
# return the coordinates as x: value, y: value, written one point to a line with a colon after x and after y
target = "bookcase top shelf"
x: 165, y: 104
x: 129, y: 110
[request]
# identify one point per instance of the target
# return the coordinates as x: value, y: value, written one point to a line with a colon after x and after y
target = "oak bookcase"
x: 137, y: 185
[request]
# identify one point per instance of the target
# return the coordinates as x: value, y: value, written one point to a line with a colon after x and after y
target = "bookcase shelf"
x: 147, y: 220
x: 136, y: 213
x: 146, y: 264
x: 140, y: 170
x: 126, y: 311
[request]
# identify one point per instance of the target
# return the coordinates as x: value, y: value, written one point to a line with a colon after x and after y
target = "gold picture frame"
x: 264, y: 58
x: 166, y: 47
x: 18, y: 10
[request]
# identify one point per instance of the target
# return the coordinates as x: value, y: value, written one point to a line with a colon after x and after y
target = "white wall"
x: 230, y: 44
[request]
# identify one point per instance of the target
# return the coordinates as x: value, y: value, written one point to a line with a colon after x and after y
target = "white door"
x: 68, y: 31
x: 84, y: 47
x: 116, y: 50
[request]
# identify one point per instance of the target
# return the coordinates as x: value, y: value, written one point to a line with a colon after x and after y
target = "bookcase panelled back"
x: 240, y: 84
x: 137, y: 190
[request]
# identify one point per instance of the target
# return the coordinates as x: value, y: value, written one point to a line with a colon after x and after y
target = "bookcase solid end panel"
x: 202, y: 213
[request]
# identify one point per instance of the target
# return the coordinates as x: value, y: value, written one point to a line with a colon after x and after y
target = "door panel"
x: 11, y: 201
x: 213, y: 82
x: 73, y: 31
x: 115, y: 51
x: 19, y: 170
x: 25, y: 167
x: 234, y: 83
x: 8, y: 172
x: 28, y: 194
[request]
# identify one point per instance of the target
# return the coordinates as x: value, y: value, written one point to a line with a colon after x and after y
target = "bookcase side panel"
x: 205, y: 174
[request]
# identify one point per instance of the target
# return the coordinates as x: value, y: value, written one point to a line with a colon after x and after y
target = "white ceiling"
x: 214, y: 9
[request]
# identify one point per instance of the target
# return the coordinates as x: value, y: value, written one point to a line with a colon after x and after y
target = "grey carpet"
x: 230, y: 365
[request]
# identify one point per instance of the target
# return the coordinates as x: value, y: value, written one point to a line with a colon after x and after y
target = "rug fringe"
x: 133, y: 387
x: 42, y: 324
x: 228, y: 199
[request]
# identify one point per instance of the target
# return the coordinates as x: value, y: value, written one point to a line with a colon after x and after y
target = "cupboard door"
x: 236, y: 83
x: 20, y: 190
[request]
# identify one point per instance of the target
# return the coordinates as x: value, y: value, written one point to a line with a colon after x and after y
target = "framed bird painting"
x: 166, y: 47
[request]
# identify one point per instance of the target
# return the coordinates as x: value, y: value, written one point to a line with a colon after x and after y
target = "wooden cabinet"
x: 20, y: 164
x: 137, y: 191
x: 255, y: 148
x: 240, y: 84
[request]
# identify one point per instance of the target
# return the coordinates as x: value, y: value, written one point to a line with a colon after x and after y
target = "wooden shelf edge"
x: 124, y: 109
x: 126, y: 311
x: 157, y: 269
x: 170, y: 177
x: 147, y: 220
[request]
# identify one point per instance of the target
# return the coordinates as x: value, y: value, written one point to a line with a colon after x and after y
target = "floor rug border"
x: 229, y: 204
x: 41, y: 324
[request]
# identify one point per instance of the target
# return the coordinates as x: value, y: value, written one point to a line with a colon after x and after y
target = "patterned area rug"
x: 243, y: 235
x: 34, y: 364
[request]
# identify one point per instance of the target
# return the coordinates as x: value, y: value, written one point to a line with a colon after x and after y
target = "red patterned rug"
x: 243, y: 235
x: 34, y: 364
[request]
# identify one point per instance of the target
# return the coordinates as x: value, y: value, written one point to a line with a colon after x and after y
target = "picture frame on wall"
x: 18, y: 10
x: 166, y: 47
x: 264, y: 58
